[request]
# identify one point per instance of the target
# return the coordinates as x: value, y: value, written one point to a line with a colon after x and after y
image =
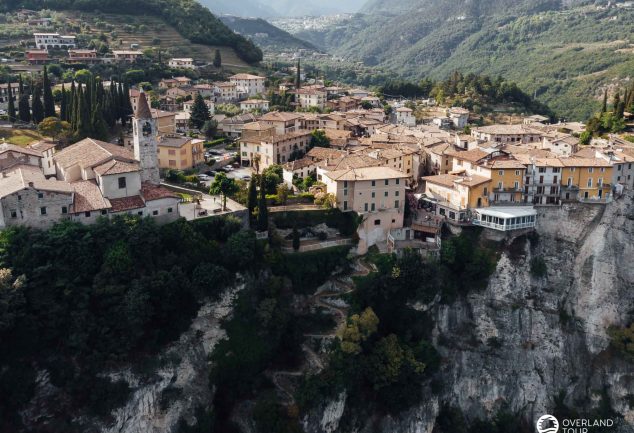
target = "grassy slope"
x: 277, y: 39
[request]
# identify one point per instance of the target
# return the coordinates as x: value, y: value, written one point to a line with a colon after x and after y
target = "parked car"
x: 203, y: 177
x: 210, y: 173
x: 246, y: 178
x: 3, y: 112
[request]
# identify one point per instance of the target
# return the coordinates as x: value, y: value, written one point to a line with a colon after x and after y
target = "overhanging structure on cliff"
x: 505, y: 218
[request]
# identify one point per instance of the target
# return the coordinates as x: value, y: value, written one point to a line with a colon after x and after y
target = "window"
x: 345, y: 205
x: 377, y: 222
x: 556, y: 169
x: 40, y: 195
x: 373, y: 208
x: 569, y: 181
x: 501, y: 172
x: 172, y: 163
x: 64, y: 210
x: 542, y: 169
x: 590, y: 170
x: 396, y: 204
x: 122, y: 182
x: 398, y: 181
x: 345, y: 184
x: 602, y: 169
x: 517, y: 185
x: 170, y: 210
x: 365, y: 207
x: 373, y: 183
x: 171, y: 152
x: 386, y: 193
x: 387, y: 182
x: 19, y: 197
x: 43, y: 210
x: 155, y: 212
x: 590, y: 183
x: 104, y: 211
x: 140, y: 213
x: 14, y: 214
x: 396, y: 193
x: 87, y: 214
x: 517, y: 172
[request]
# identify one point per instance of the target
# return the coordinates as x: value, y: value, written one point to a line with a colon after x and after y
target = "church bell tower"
x: 144, y: 132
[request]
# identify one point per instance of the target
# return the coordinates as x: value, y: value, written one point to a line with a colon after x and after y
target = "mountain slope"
x: 242, y: 8
x: 265, y: 34
x: 193, y: 21
x: 566, y: 52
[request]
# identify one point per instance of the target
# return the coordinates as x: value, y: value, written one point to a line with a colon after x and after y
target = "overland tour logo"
x: 547, y: 424
x: 550, y: 424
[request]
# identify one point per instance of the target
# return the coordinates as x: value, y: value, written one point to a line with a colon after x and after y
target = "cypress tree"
x: 63, y: 108
x: 11, y: 108
x: 72, y: 114
x: 24, y: 110
x: 85, y: 114
x: 604, y: 108
x: 38, y: 107
x: 616, y: 102
x: 126, y: 104
x: 217, y: 59
x: 49, y: 101
x: 200, y: 113
x: 99, y: 128
x: 21, y: 83
x: 252, y: 201
x: 263, y: 213
x: 298, y: 77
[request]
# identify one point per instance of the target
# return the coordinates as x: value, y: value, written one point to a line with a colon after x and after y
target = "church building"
x: 92, y: 179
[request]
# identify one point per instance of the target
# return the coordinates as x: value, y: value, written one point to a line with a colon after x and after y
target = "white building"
x: 45, y: 41
x: 252, y: 85
x: 183, y: 63
x: 405, y: 116
x: 459, y: 117
x: 311, y: 97
x: 255, y: 104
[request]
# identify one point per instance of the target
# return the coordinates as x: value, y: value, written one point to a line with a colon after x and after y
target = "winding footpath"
x: 283, y: 379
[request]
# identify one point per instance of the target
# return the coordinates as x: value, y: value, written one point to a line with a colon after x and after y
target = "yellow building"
x: 586, y: 179
x: 506, y: 179
x: 180, y: 153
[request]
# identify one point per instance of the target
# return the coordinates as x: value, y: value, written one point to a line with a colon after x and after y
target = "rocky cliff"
x: 515, y: 345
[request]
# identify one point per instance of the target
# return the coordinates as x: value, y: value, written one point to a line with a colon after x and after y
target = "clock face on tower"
x: 147, y: 129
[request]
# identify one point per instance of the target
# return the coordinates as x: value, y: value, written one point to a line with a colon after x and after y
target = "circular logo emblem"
x: 547, y: 424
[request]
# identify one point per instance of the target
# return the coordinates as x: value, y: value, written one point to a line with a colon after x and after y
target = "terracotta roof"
x: 143, y: 107
x: 584, y: 162
x: 151, y: 192
x: 88, y: 197
x: 505, y: 163
x: 473, y: 155
x: 7, y: 147
x: 42, y: 146
x: 176, y: 142
x: 116, y: 167
x: 507, y: 130
x: 298, y: 164
x: 442, y: 179
x: 319, y: 153
x: 156, y: 113
x: 127, y: 203
x: 27, y: 176
x: 351, y: 161
x: 89, y: 152
x: 280, y: 116
x: 366, y: 173
x: 473, y: 180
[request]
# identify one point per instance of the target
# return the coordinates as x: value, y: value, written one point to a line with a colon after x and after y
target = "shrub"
x: 538, y: 267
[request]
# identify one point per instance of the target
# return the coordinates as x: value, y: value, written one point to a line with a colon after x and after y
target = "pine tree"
x: 38, y: 107
x: 99, y: 127
x: 252, y: 201
x: 263, y: 213
x: 49, y: 101
x: 11, y: 107
x: 298, y: 77
x: 217, y: 59
x: 63, y: 106
x: 200, y: 113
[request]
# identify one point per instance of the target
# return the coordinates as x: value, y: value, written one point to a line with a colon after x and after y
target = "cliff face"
x: 516, y: 344
x: 524, y: 339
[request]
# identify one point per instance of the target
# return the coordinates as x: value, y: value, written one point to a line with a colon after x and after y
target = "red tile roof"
x: 127, y: 203
x: 155, y: 192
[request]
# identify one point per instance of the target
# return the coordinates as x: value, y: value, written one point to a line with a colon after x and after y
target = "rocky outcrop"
x: 162, y: 396
x: 524, y: 339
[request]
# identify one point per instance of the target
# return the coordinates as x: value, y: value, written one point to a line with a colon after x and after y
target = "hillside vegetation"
x: 193, y: 21
x: 565, y: 54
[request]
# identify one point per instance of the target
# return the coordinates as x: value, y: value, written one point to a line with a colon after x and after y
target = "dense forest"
x: 193, y: 21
